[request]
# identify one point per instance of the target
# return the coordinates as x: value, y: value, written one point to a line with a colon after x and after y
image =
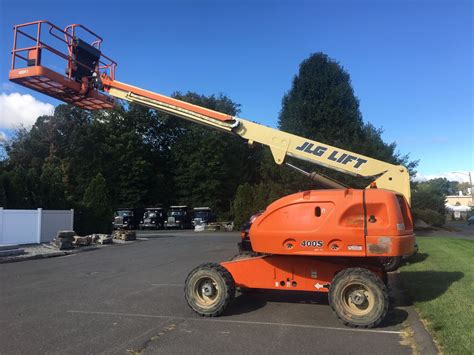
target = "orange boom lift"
x: 317, y: 241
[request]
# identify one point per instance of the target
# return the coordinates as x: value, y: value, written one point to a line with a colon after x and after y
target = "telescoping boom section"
x: 89, y: 82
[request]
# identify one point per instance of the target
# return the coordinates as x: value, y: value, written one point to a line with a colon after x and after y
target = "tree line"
x: 132, y: 156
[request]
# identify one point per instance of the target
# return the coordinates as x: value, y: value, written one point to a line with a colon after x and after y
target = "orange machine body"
x: 308, y: 237
x: 292, y: 273
x: 343, y: 222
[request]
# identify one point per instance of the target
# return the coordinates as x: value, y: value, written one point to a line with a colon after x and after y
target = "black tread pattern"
x: 228, y: 280
x: 372, y: 277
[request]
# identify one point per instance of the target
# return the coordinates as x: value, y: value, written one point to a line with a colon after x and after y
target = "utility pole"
x: 472, y: 189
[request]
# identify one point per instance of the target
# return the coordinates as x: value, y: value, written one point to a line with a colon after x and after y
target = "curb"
x: 14, y: 259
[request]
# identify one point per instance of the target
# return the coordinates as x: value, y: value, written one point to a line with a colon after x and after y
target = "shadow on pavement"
x: 253, y: 300
x: 395, y: 316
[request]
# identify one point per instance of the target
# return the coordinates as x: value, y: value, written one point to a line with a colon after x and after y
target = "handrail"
x: 105, y: 63
x: 73, y: 28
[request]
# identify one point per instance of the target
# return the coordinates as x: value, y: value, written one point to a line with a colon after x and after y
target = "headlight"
x: 153, y: 222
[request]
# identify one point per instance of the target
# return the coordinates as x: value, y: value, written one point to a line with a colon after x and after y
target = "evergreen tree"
x: 321, y: 104
x: 53, y: 189
x: 97, y: 212
x: 243, y: 204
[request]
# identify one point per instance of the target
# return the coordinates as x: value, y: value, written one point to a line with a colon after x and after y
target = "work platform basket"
x: 41, y: 51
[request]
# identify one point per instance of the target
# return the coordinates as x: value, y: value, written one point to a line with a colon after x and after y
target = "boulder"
x: 66, y: 234
x: 82, y: 241
x: 62, y: 243
x: 102, y: 238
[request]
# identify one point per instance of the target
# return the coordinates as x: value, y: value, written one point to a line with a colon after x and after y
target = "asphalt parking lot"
x: 453, y: 229
x: 129, y: 299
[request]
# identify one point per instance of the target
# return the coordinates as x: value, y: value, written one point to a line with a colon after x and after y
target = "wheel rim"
x: 206, y: 291
x: 357, y: 299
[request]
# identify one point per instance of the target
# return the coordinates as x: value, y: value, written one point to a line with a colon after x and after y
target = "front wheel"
x: 359, y: 298
x: 209, y: 289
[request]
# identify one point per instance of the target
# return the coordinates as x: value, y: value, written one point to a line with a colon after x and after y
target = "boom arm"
x: 86, y: 64
x: 281, y: 144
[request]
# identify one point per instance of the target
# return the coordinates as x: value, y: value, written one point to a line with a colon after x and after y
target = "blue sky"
x: 411, y: 62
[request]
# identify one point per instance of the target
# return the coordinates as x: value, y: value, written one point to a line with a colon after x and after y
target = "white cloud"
x: 21, y: 110
x: 461, y: 176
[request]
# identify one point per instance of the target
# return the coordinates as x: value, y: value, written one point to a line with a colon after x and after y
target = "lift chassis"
x: 316, y: 241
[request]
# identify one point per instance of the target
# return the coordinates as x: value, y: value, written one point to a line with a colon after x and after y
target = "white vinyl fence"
x: 33, y: 226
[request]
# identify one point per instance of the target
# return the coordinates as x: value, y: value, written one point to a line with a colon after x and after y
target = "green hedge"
x: 431, y: 217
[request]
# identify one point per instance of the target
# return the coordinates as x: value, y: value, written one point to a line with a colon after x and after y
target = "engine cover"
x: 340, y: 222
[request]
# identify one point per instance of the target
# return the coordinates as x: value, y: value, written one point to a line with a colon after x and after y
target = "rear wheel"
x: 391, y: 263
x: 359, y: 298
x: 209, y: 289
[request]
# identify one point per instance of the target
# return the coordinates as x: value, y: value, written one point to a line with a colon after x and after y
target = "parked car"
x: 127, y: 218
x: 202, y: 215
x: 470, y: 220
x: 178, y: 217
x: 153, y: 218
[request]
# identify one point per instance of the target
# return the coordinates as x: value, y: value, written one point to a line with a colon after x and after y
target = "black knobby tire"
x: 390, y: 263
x: 209, y: 289
x: 359, y: 298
